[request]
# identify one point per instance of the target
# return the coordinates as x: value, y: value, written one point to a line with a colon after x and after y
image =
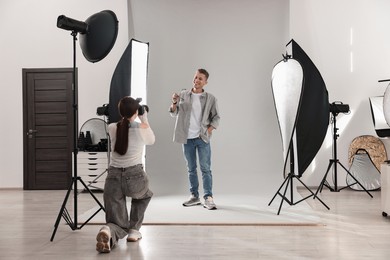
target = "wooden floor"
x: 354, y: 229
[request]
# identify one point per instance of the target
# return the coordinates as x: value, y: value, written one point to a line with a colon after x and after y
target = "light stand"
x: 334, y: 162
x: 73, y: 224
x: 288, y: 183
x: 98, y: 36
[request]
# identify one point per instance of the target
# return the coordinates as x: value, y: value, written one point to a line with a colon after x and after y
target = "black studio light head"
x: 97, y: 34
x: 70, y: 24
x: 338, y: 107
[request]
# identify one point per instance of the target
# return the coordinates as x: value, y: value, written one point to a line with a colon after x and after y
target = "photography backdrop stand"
x: 288, y: 184
x: 73, y: 224
x: 334, y: 162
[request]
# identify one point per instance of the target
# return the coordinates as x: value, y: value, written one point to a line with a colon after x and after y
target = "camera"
x: 338, y: 107
x: 102, y: 111
x: 142, y: 108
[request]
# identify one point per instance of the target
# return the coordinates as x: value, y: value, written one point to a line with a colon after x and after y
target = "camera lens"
x: 142, y: 108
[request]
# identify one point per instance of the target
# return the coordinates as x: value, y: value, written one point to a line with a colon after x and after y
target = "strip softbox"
x: 133, y: 64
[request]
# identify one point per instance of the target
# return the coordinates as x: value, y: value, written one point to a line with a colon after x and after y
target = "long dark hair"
x: 127, y: 107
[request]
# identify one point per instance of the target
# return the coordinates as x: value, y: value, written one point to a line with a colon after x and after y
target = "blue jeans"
x: 204, y: 153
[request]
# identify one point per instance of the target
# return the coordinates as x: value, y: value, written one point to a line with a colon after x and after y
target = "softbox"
x: 287, y: 86
x: 132, y: 65
x: 313, y: 116
x: 377, y: 106
x: 302, y: 110
x: 302, y: 107
x: 101, y: 35
x: 386, y: 105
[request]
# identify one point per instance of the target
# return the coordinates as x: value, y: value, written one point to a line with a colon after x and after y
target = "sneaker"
x: 209, y: 203
x: 134, y: 236
x: 103, y: 239
x: 192, y: 201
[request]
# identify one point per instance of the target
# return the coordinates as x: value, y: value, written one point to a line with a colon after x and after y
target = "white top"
x: 138, y: 138
x: 196, y: 116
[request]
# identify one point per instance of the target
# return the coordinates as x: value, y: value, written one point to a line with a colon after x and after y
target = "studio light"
x: 338, y: 107
x: 130, y: 77
x: 299, y: 90
x: 97, y: 37
x: 386, y: 105
x: 97, y: 34
x: 381, y: 126
x: 380, y: 111
x: 100, y: 37
x: 70, y: 24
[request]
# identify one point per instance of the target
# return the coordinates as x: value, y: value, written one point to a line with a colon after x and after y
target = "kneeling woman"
x: 126, y: 177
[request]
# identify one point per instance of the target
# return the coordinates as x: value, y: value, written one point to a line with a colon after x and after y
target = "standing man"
x: 196, y: 113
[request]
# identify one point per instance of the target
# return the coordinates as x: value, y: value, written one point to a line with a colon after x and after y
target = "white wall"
x: 330, y: 31
x: 30, y: 39
x: 238, y: 42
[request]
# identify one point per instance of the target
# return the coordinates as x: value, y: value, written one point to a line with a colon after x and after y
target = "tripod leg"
x: 326, y: 206
x: 281, y: 186
x: 323, y: 179
x: 91, y: 193
x: 356, y: 180
x: 62, y: 210
x: 285, y: 190
x: 94, y: 197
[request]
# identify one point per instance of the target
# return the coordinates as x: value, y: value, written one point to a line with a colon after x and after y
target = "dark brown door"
x: 48, y: 128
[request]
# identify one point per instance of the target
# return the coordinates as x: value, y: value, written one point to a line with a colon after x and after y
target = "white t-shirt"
x: 138, y: 138
x: 196, y: 116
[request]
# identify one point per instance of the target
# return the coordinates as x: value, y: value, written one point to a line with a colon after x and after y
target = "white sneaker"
x: 103, y: 239
x: 134, y: 235
x: 209, y: 203
x: 192, y: 201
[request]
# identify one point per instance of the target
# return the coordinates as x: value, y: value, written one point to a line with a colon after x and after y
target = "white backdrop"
x: 238, y: 42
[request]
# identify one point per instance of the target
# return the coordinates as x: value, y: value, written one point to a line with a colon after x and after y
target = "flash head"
x: 338, y: 107
x: 70, y: 24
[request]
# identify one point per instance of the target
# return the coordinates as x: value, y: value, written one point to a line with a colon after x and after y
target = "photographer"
x: 126, y: 177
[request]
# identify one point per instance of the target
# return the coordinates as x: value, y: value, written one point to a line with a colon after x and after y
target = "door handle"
x: 31, y: 132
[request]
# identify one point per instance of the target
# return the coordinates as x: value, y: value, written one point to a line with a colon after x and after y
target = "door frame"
x: 27, y: 161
